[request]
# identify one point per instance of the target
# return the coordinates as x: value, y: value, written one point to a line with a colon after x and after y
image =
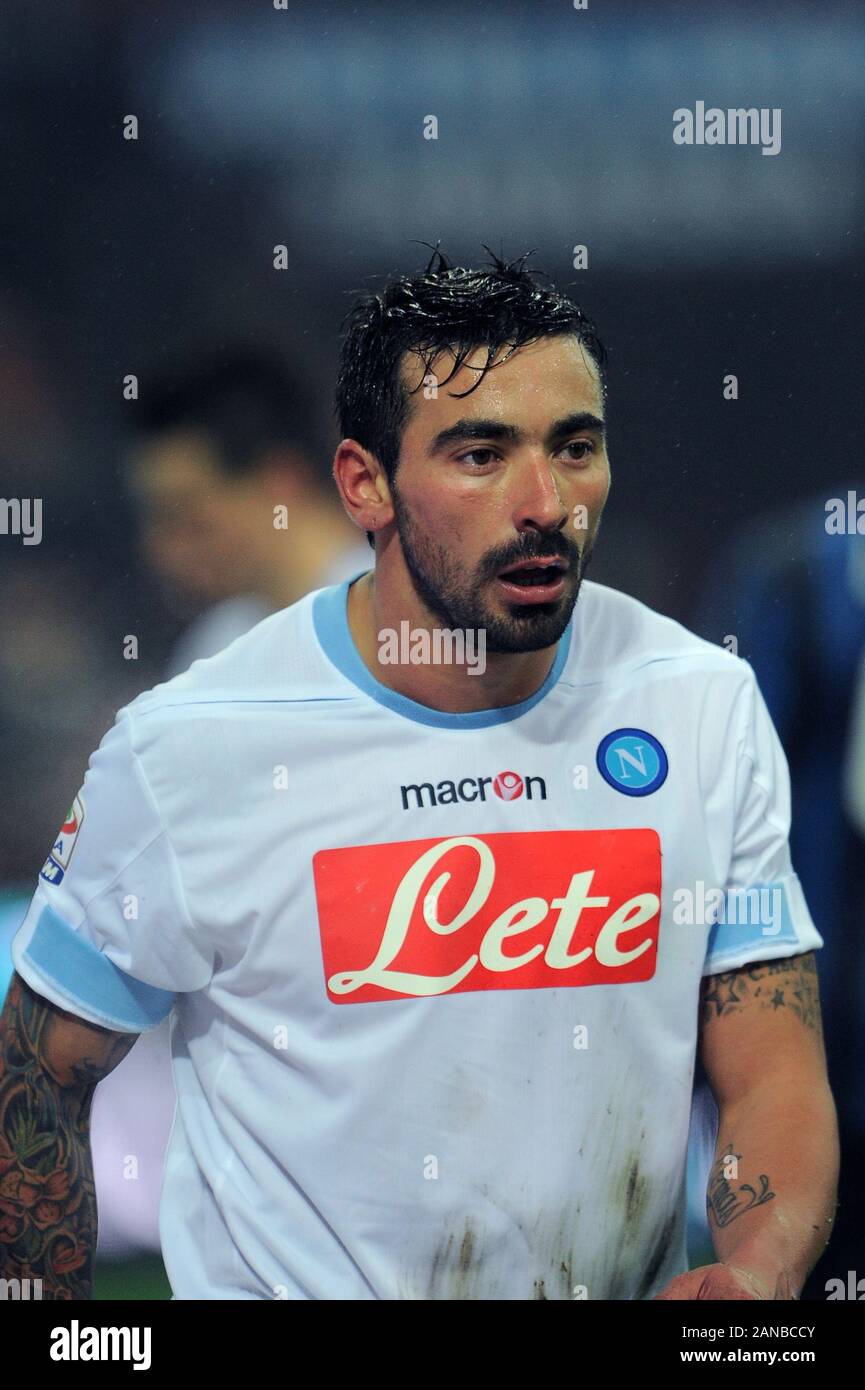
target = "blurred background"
x: 154, y: 159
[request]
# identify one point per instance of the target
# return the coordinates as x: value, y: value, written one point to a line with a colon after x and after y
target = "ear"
x: 362, y: 486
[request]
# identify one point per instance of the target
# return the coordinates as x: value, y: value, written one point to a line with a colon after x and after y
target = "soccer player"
x: 443, y: 877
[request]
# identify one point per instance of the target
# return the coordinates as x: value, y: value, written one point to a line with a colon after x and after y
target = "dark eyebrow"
x: 466, y: 430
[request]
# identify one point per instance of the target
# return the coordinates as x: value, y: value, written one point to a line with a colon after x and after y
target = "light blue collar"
x: 330, y: 619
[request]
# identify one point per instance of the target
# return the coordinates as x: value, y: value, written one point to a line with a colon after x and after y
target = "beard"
x: 452, y: 595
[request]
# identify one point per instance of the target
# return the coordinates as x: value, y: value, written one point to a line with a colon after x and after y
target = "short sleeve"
x: 764, y: 914
x: 108, y: 935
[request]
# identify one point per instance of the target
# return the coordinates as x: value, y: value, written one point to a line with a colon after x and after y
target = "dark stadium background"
x: 302, y: 127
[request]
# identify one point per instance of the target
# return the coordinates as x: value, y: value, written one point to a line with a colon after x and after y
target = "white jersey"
x: 433, y: 978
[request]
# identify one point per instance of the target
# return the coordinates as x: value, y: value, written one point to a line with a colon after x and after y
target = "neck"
x: 487, y: 681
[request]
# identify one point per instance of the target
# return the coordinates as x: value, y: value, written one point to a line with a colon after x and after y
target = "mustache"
x: 534, y: 547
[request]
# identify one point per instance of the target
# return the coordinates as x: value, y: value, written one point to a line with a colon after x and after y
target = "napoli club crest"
x: 632, y: 761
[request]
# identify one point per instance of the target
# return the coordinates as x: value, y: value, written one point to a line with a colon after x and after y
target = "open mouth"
x: 535, y: 580
x: 533, y: 575
x: 540, y: 571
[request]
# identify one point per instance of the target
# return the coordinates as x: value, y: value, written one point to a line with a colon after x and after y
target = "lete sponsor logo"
x: 530, y: 910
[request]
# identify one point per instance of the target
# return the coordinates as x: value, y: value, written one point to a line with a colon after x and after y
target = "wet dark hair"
x: 443, y: 307
x: 246, y: 400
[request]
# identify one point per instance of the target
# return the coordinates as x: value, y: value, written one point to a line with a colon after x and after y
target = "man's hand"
x: 724, y: 1282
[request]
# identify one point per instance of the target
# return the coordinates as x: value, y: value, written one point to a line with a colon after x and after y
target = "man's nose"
x: 537, y: 501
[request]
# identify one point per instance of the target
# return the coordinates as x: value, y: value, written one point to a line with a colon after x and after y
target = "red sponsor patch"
x: 530, y: 910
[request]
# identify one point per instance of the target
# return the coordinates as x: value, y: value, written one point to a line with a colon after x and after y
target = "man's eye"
x: 481, y: 457
x: 474, y: 454
x: 582, y: 444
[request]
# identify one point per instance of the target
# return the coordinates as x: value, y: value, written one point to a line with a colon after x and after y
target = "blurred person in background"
x: 218, y: 448
x: 236, y: 510
x: 790, y: 588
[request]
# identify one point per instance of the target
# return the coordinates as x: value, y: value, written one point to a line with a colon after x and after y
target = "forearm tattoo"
x: 790, y: 984
x: 47, y: 1195
x: 728, y: 1198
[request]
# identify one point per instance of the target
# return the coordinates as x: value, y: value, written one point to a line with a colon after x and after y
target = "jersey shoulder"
x: 616, y: 635
x: 279, y: 659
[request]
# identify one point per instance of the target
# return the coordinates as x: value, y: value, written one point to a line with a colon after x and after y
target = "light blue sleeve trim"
x: 82, y: 972
x: 752, y: 919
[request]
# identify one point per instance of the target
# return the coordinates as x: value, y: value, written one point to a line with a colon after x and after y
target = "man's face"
x: 516, y: 470
x: 201, y: 527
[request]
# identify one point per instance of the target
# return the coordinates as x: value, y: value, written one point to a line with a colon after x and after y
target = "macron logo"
x: 507, y: 786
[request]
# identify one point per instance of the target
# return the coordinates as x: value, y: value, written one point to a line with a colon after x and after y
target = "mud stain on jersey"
x: 455, y: 1265
x: 551, y: 1246
x: 465, y: 1266
x: 647, y: 1231
x: 467, y: 1250
x: 658, y: 1253
x: 629, y: 1202
x: 441, y: 1261
x: 633, y: 1194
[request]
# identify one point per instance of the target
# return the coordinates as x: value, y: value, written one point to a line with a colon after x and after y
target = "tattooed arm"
x: 50, y: 1064
x: 772, y: 1190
